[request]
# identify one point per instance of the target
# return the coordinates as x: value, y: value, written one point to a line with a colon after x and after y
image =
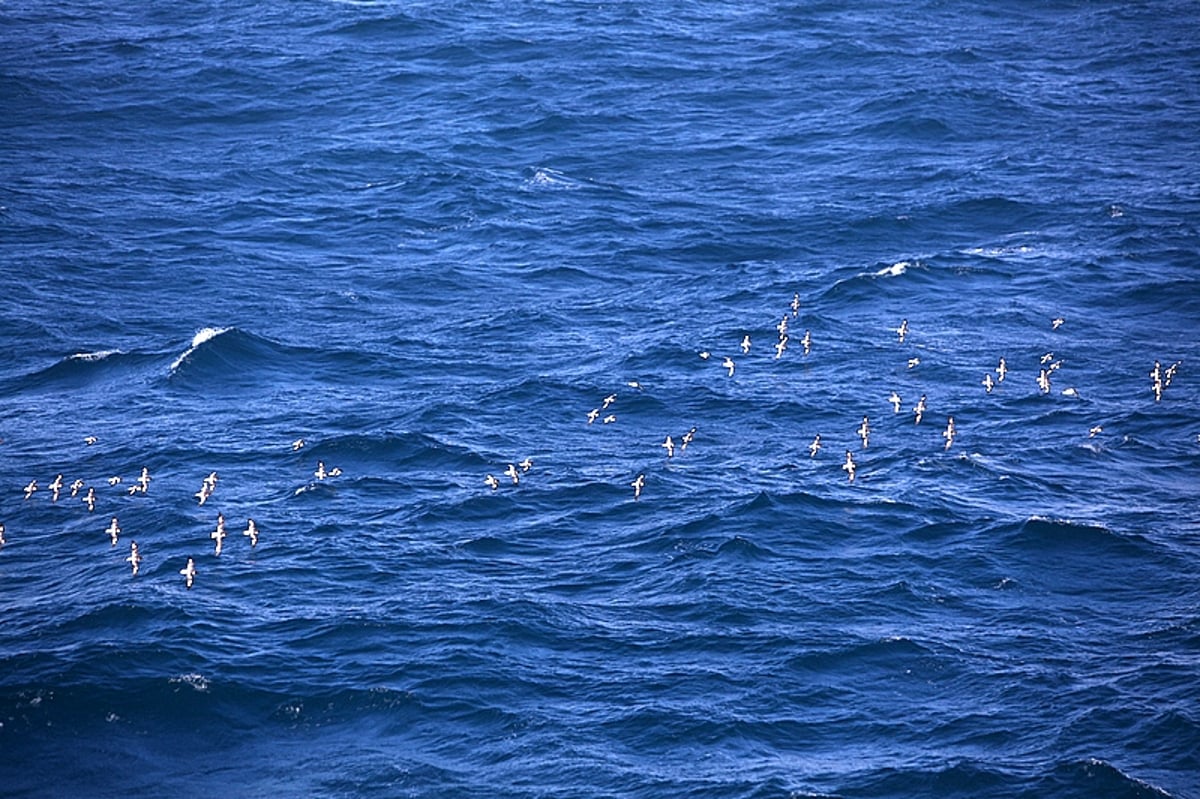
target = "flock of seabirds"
x: 1160, y: 380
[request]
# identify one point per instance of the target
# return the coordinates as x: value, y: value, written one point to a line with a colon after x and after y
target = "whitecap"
x: 552, y: 178
x: 203, y: 335
x: 197, y: 682
x: 895, y: 270
x: 98, y: 355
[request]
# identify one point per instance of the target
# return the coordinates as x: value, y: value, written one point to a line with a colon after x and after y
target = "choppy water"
x: 429, y: 238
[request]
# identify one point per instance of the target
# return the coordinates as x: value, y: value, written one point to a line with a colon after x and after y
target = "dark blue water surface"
x: 429, y: 238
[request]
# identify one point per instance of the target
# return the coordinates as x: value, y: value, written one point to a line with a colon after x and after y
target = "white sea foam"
x: 203, y: 335
x: 98, y: 355
x: 197, y: 682
x: 895, y: 270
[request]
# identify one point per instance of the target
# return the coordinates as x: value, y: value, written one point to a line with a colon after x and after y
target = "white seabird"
x: 609, y: 400
x: 612, y: 417
x: 894, y: 398
x: 849, y: 466
x: 113, y: 531
x: 593, y: 414
x: 864, y: 432
x: 55, y: 487
x: 320, y: 472
x: 298, y: 444
x: 512, y: 473
x: 806, y: 342
x: 815, y: 446
x: 218, y: 535
x: 90, y: 499
x: 492, y: 482
x: 135, y: 557
x: 746, y: 344
x: 1001, y: 370
x: 29, y: 489
x: 189, y: 572
x: 795, y: 304
x: 76, y: 485
x: 988, y: 382
x: 526, y: 464
x: 949, y: 432
x: 669, y: 446
x: 637, y: 485
x: 919, y: 409
x: 252, y: 531
x: 728, y: 364
x: 687, y: 439
x: 902, y: 331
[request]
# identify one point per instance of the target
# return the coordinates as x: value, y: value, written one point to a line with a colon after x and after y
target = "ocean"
x: 631, y: 400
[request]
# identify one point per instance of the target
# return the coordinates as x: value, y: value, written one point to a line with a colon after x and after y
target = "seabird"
x: 919, y: 409
x: 988, y: 382
x: 669, y: 446
x: 320, y: 472
x: 864, y: 431
x: 780, y: 346
x: 29, y: 489
x: 637, y: 485
x: 795, y: 304
x: 135, y: 557
x: 218, y: 535
x: 90, y: 499
x: 2, y: 539
x: 592, y: 414
x: 782, y: 327
x: 1056, y: 323
x: 849, y: 465
x: 203, y: 494
x: 114, y: 480
x: 728, y: 364
x: 512, y: 473
x: 895, y: 400
x: 89, y: 440
x: 189, y: 572
x: 1156, y: 378
x: 609, y: 400
x: 686, y: 439
x: 113, y: 531
x: 1169, y: 375
x: 1095, y: 431
x: 948, y: 434
x: 913, y: 361
x: 746, y: 344
x: 252, y: 531
x: 634, y: 385
x: 1044, y: 381
x: 336, y: 471
x: 806, y: 342
x: 56, y: 486
x: 1070, y: 392
x: 211, y: 482
x: 705, y: 355
x: 612, y: 417
x: 526, y: 464
x: 298, y: 444
x: 815, y: 446
x: 143, y: 482
x: 902, y: 331
x: 75, y: 486
x: 492, y: 482
x: 1048, y: 357
x: 1001, y: 370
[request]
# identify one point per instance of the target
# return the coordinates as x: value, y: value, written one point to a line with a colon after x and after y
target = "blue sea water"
x: 429, y: 238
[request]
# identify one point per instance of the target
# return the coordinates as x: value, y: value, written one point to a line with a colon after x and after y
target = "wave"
x: 202, y: 337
